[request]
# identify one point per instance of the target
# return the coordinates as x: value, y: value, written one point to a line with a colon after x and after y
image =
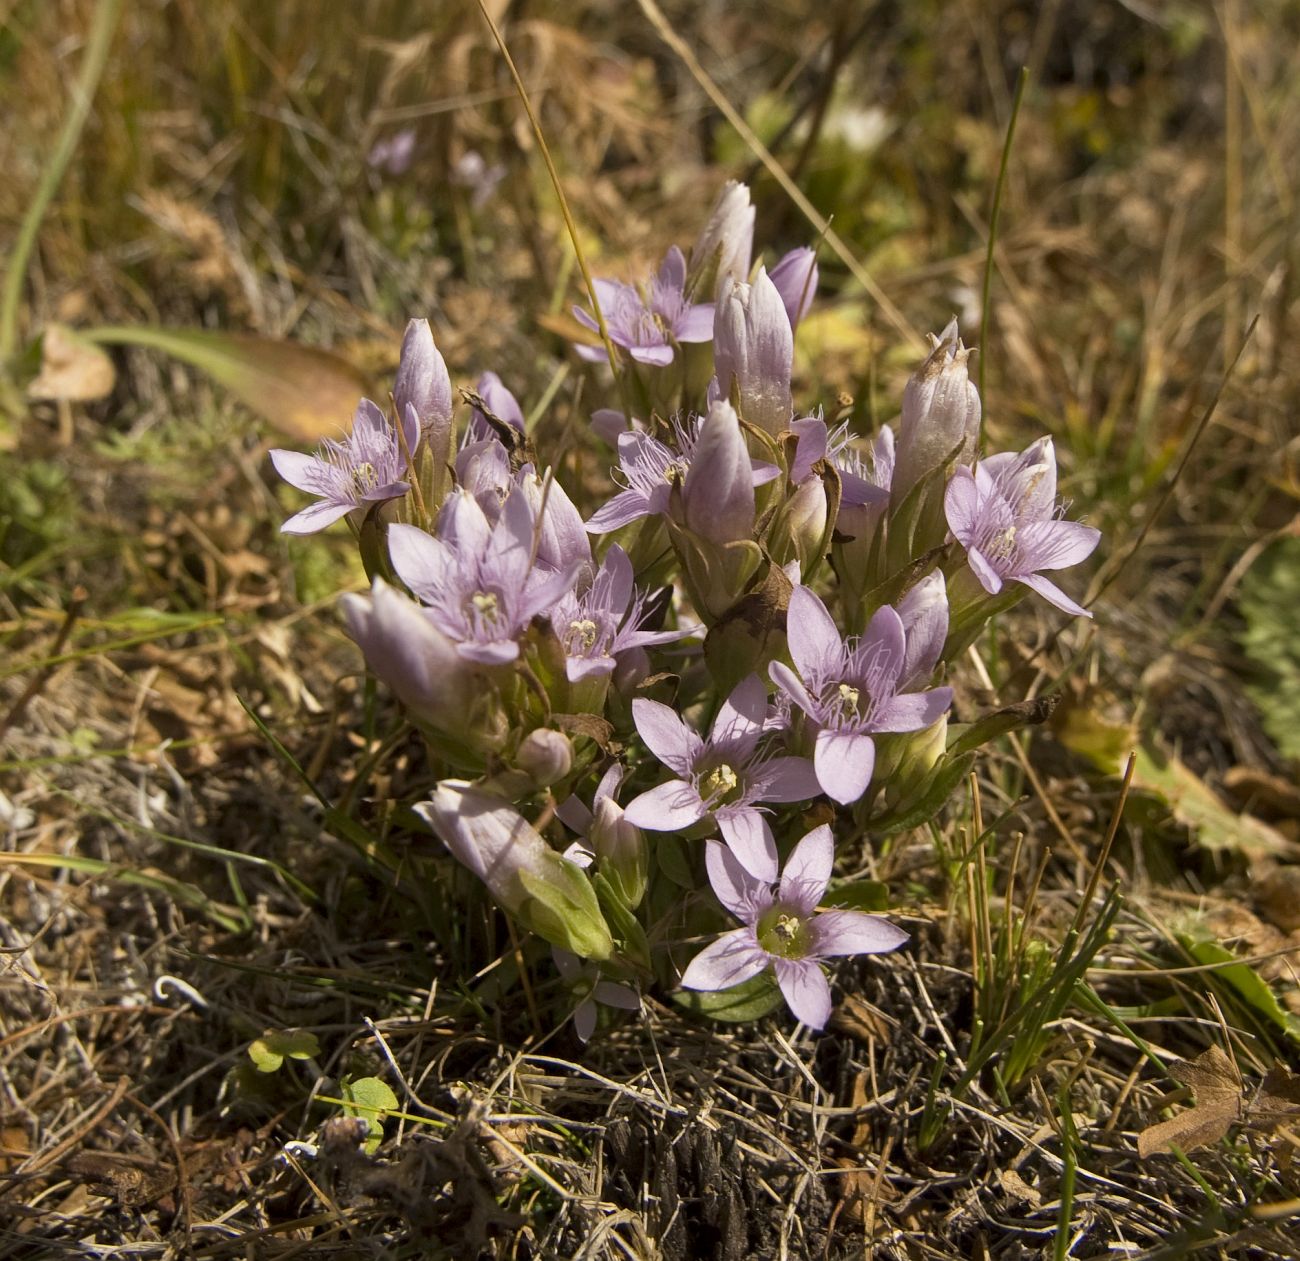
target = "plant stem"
x: 102, y: 26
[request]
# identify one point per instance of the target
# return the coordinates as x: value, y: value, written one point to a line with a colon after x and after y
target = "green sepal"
x: 564, y: 910
x: 750, y: 1000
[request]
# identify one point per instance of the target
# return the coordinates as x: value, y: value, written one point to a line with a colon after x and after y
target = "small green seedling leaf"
x: 860, y: 895
x: 748, y: 1001
x: 273, y: 1048
x: 370, y: 1099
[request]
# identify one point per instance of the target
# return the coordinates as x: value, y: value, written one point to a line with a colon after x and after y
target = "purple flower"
x: 1005, y: 515
x: 783, y: 928
x: 479, y: 580
x: 864, y: 476
x: 852, y: 689
x: 472, y: 171
x: 753, y: 345
x: 723, y: 777
x: 648, y: 325
x: 393, y: 154
x: 605, y: 620
x: 646, y: 470
x: 795, y: 278
x: 584, y: 981
x: 365, y: 468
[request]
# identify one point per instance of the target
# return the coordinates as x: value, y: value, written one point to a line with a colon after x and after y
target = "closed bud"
x: 941, y: 414
x: 423, y: 385
x: 546, y: 756
x: 421, y: 667
x: 806, y: 521
x: 546, y: 892
x: 723, y: 249
x: 718, y: 491
x: 753, y: 352
x: 620, y: 849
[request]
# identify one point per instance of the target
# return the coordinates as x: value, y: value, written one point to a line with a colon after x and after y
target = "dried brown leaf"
x: 1219, y: 1105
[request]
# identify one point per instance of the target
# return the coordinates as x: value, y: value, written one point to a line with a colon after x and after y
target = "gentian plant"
x: 751, y: 631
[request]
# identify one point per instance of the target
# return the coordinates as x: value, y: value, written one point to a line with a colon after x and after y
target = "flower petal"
x: 912, y: 711
x: 1051, y: 592
x: 584, y: 1019
x: 1056, y: 544
x: 732, y: 885
x: 807, y: 991
x: 315, y: 517
x: 626, y: 506
x: 961, y: 505
x: 808, y: 870
x: 844, y: 762
x: 989, y: 578
x: 740, y: 720
x: 790, y: 684
x: 731, y: 960
x: 750, y: 839
x: 853, y: 933
x: 668, y: 807
x: 665, y: 734
x: 302, y: 472
x: 812, y: 634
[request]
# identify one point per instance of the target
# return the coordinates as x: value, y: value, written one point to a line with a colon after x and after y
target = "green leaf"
x: 271, y: 1050
x: 1249, y: 986
x: 370, y: 1099
x: 673, y: 860
x: 1270, y: 603
x: 305, y: 392
x: 750, y: 1000
x: 860, y: 895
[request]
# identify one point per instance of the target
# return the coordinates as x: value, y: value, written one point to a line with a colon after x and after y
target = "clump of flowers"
x: 749, y: 633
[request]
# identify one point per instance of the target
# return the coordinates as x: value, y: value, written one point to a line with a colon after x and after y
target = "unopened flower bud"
x: 542, y: 889
x: 422, y: 387
x: 806, y: 521
x: 753, y: 352
x: 718, y: 491
x: 723, y: 249
x: 941, y: 414
x: 620, y: 851
x: 546, y: 756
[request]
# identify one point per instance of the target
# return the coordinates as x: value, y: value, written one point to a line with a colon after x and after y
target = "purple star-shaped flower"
x: 605, y: 620
x: 1005, y: 515
x: 783, y: 928
x: 587, y: 986
x: 478, y: 579
x: 864, y: 476
x: 852, y: 689
x: 649, y: 324
x: 646, y: 470
x: 367, y: 467
x: 723, y: 777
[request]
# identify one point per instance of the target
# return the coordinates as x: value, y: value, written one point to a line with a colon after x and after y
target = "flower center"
x: 583, y: 634
x: 783, y: 934
x: 485, y: 604
x: 364, y: 477
x: 719, y: 782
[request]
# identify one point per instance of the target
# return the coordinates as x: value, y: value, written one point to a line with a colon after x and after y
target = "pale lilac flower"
x: 795, y: 278
x: 605, y: 620
x: 852, y: 689
x: 393, y: 154
x: 753, y: 347
x: 783, y: 928
x: 606, y: 836
x: 478, y: 579
x: 367, y: 467
x: 722, y: 778
x: 865, y: 476
x: 648, y: 325
x: 585, y: 983
x: 941, y: 413
x: 646, y: 471
x: 472, y: 171
x: 1005, y: 515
